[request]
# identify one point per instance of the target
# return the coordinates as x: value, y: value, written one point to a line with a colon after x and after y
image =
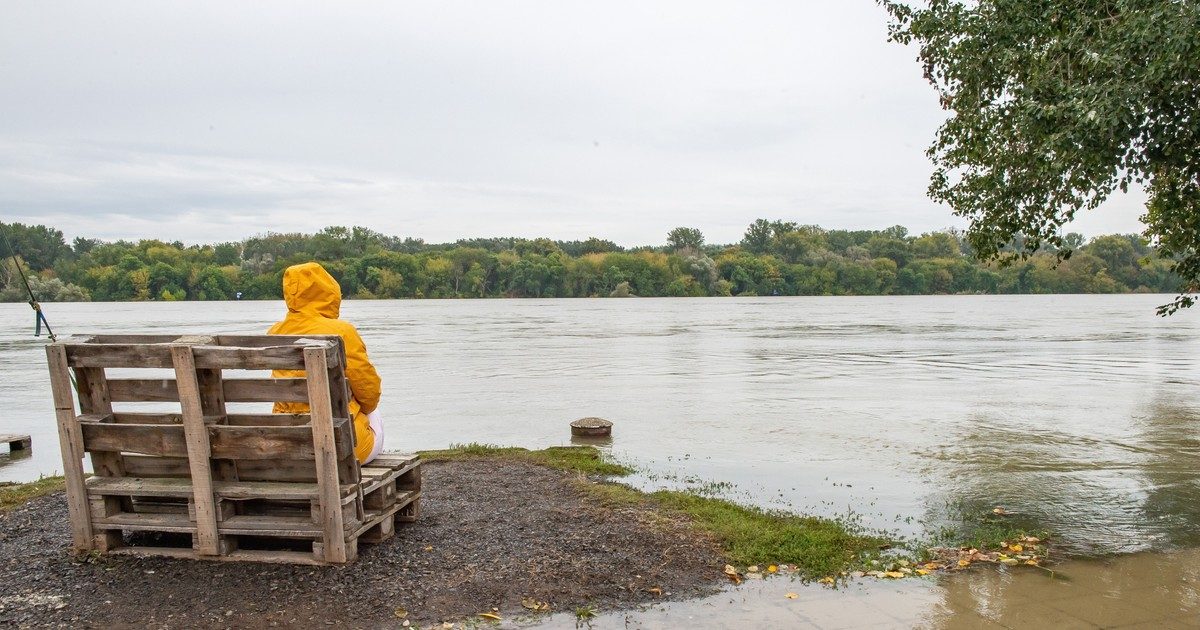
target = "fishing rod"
x: 39, y: 318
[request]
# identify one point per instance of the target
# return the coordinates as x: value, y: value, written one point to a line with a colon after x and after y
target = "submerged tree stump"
x: 591, y: 427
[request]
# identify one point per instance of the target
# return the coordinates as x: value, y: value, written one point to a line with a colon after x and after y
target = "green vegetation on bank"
x: 818, y: 547
x: 774, y: 258
x: 586, y: 460
x: 14, y: 494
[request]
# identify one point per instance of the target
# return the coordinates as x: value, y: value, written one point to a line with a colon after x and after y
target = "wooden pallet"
x: 203, y: 482
x: 17, y: 442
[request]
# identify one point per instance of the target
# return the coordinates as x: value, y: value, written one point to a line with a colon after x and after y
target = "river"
x: 1081, y: 412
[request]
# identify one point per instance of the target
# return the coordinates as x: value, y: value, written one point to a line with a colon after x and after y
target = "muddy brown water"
x: 1147, y: 590
x: 1078, y: 412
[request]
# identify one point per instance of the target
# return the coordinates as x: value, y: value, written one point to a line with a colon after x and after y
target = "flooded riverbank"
x: 1081, y: 413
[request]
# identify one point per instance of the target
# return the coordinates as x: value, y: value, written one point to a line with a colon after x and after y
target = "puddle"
x: 1148, y: 590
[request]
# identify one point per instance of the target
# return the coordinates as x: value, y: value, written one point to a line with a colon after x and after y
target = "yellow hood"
x: 308, y: 288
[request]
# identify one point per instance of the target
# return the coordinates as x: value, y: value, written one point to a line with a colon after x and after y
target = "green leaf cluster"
x: 1053, y: 106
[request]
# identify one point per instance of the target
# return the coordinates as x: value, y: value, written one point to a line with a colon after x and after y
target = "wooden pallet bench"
x: 196, y: 478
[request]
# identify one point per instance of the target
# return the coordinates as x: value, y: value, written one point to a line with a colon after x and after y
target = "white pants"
x: 376, y: 420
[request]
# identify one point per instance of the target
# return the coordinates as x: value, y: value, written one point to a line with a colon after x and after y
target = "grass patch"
x: 14, y: 494
x: 584, y: 459
x: 818, y: 547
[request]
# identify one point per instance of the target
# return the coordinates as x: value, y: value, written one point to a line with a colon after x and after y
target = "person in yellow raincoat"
x: 314, y: 302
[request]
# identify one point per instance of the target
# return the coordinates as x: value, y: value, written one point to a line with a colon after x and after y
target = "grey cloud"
x: 214, y: 120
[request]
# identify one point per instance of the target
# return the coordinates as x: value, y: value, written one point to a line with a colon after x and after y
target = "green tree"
x: 685, y: 238
x: 1053, y: 106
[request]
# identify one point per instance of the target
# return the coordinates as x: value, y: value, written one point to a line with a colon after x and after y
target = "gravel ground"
x: 490, y: 534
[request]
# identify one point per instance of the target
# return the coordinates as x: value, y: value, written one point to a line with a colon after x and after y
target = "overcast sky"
x: 214, y: 120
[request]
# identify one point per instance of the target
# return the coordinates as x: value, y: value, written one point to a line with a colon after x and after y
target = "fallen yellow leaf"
x: 400, y: 613
x: 655, y: 591
x: 922, y: 572
x: 964, y: 563
x: 826, y: 580
x: 1032, y: 563
x: 533, y: 604
x: 488, y: 615
x: 1017, y: 548
x: 1009, y: 561
x: 772, y: 569
x: 791, y: 596
x: 429, y: 548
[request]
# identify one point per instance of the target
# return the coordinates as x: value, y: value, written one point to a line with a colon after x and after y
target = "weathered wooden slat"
x: 173, y: 487
x: 71, y: 443
x: 403, y: 500
x: 225, y: 442
x: 393, y: 460
x: 268, y: 419
x: 235, y: 419
x: 235, y: 390
x: 325, y: 446
x: 17, y: 442
x: 237, y: 442
x: 240, y: 555
x: 143, y: 390
x: 206, y: 357
x: 94, y: 399
x: 207, y: 541
x: 140, y: 417
x: 245, y: 525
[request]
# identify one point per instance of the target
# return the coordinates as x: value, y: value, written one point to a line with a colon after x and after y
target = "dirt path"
x: 491, y: 533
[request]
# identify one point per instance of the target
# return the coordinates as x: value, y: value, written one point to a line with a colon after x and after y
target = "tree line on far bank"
x: 773, y: 258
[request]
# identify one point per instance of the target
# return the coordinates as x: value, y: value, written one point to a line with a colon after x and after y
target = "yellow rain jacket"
x: 314, y: 301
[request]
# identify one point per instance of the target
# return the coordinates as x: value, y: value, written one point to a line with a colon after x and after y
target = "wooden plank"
x: 140, y: 417
x: 403, y: 500
x: 212, y: 403
x: 182, y: 487
x: 204, y: 357
x: 240, y: 525
x: 267, y: 390
x: 242, y: 341
x: 206, y: 539
x: 153, y: 466
x: 271, y: 442
x: 240, y: 555
x: 316, y: 366
x: 143, y: 390
x: 17, y: 442
x: 394, y: 460
x: 225, y: 442
x: 269, y: 419
x: 71, y: 444
x: 235, y: 390
x: 248, y: 469
x: 94, y: 399
x: 239, y: 419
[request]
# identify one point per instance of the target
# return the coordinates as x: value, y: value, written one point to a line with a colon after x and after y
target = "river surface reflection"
x: 1082, y: 412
